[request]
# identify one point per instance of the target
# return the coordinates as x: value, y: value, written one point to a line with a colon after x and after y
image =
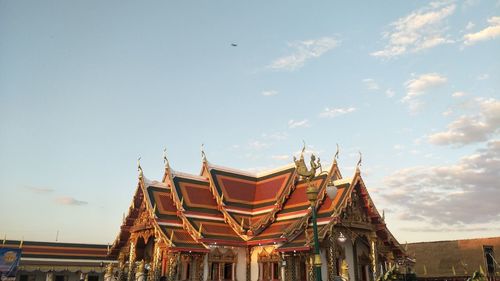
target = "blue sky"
x: 88, y: 86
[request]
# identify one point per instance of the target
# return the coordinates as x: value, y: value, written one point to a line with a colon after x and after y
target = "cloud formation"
x: 466, y: 192
x: 473, y: 128
x: 269, y: 93
x: 39, y: 190
x: 490, y: 32
x: 371, y: 84
x: 297, y: 124
x: 418, y: 86
x: 69, y: 201
x: 304, y: 51
x: 422, y: 29
x: 334, y: 112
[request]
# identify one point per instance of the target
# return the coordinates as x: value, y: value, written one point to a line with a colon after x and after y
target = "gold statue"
x: 302, y: 168
x: 140, y: 268
x: 109, y: 269
x: 344, y: 270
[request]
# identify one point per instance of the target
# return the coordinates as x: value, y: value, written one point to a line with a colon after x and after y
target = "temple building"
x: 228, y: 224
x: 456, y: 260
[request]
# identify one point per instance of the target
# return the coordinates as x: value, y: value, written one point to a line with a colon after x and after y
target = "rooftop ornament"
x: 139, y: 168
x: 331, y: 189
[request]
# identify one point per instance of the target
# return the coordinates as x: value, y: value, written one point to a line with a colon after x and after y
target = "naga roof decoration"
x: 236, y: 208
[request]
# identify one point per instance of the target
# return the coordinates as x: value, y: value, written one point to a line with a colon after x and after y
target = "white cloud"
x: 483, y: 76
x: 422, y: 29
x: 418, y: 86
x: 281, y: 157
x: 69, y: 201
x: 39, y: 190
x: 334, y: 112
x: 474, y: 128
x: 398, y: 147
x: 296, y: 124
x: 390, y: 93
x: 269, y: 93
x: 469, y: 25
x: 447, y: 112
x: 465, y: 192
x: 257, y: 145
x: 488, y: 33
x: 276, y: 136
x: 458, y: 94
x: 304, y: 51
x: 371, y: 84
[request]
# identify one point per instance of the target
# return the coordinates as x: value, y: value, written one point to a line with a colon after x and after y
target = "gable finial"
x: 139, y: 168
x: 360, y: 159
x: 203, y: 155
x: 337, y: 153
x: 165, y: 159
x: 303, y: 149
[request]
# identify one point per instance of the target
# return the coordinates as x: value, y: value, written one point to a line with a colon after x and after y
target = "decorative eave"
x: 140, y: 197
x: 237, y: 227
x: 278, y: 206
x: 188, y: 227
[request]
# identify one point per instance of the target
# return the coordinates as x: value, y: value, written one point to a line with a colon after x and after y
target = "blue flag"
x: 9, y: 260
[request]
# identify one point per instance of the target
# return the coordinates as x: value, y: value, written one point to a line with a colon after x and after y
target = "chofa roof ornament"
x: 139, y: 168
x: 302, y: 169
x: 203, y: 155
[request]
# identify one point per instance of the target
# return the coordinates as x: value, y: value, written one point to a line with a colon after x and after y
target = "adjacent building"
x: 456, y: 259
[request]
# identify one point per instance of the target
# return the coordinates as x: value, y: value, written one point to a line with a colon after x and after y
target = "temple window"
x: 222, y: 264
x: 61, y: 278
x: 269, y: 262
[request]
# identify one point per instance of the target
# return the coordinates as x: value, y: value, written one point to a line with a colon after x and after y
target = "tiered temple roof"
x: 223, y: 206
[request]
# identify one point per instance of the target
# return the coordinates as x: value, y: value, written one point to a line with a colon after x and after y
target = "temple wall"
x: 241, y: 265
x: 42, y: 276
x: 254, y: 265
x: 205, y: 268
x: 349, y: 257
x: 324, y: 264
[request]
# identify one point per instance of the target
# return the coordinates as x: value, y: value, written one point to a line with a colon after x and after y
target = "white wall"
x: 205, y: 267
x: 348, y: 247
x: 42, y: 276
x: 241, y: 265
x: 254, y: 266
x: 324, y: 264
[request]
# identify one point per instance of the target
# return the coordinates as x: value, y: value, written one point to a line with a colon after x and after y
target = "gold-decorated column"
x: 373, y: 254
x: 131, y: 262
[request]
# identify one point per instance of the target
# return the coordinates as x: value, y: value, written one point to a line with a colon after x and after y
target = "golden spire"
x: 359, y: 163
x: 165, y: 159
x: 22, y: 242
x: 303, y: 149
x: 337, y: 153
x: 200, y: 228
x: 139, y: 168
x: 203, y: 155
x: 172, y: 235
